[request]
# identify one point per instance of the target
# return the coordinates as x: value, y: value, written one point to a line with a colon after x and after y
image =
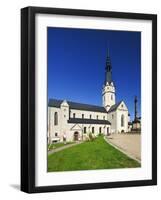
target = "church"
x: 74, y: 121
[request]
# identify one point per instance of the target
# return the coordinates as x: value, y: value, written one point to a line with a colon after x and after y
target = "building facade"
x: 75, y: 121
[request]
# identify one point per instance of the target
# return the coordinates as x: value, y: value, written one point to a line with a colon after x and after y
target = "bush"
x: 100, y: 134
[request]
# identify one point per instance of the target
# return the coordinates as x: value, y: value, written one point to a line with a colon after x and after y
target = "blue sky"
x: 76, y: 64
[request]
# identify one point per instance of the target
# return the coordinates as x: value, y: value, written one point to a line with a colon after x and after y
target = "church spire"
x: 108, y: 92
x: 108, y: 69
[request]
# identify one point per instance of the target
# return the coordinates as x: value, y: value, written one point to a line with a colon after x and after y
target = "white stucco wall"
x: 122, y: 110
x: 78, y: 114
x: 53, y: 129
x: 112, y: 117
x: 80, y: 129
x: 68, y: 129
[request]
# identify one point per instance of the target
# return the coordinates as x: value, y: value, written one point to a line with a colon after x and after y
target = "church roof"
x: 77, y: 106
x: 88, y: 121
x: 55, y: 103
x: 114, y: 107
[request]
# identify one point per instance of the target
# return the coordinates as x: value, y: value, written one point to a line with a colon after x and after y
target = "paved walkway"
x: 63, y: 147
x: 130, y: 144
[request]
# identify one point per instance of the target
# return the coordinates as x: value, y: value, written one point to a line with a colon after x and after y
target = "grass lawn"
x: 95, y: 154
x: 57, y: 145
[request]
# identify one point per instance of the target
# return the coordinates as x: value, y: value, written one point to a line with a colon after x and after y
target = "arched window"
x: 107, y: 130
x: 122, y: 120
x: 85, y: 130
x: 92, y: 129
x: 111, y: 97
x: 55, y: 118
x: 100, y: 130
x: 56, y: 134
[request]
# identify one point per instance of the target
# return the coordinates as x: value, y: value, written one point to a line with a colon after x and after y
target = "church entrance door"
x: 76, y: 134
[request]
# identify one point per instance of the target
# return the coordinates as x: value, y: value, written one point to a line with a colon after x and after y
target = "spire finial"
x: 108, y: 52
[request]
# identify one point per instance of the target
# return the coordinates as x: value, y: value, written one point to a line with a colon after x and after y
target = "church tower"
x: 108, y: 92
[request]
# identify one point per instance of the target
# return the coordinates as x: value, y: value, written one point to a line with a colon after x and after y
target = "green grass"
x: 57, y: 145
x: 95, y: 154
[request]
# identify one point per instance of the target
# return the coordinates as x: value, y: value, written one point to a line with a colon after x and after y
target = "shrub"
x: 100, y: 134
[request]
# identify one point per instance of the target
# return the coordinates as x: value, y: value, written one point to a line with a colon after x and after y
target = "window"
x: 82, y: 116
x: 55, y: 118
x: 111, y: 97
x: 73, y: 115
x: 56, y: 134
x: 92, y: 129
x: 104, y: 117
x: 112, y: 116
x: 97, y: 116
x: 107, y: 130
x: 100, y: 130
x: 85, y: 130
x: 122, y: 120
x: 90, y: 116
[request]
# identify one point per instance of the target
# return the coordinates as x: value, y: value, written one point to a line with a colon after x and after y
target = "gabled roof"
x: 54, y: 103
x: 114, y: 107
x: 87, y: 121
x: 77, y: 106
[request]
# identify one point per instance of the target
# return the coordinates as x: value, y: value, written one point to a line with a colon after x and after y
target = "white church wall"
x: 64, y: 128
x: 122, y: 110
x: 64, y: 116
x: 112, y: 118
x: 78, y: 114
x: 56, y: 132
x: 80, y: 129
x: 68, y: 129
x: 73, y: 128
x: 54, y: 129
